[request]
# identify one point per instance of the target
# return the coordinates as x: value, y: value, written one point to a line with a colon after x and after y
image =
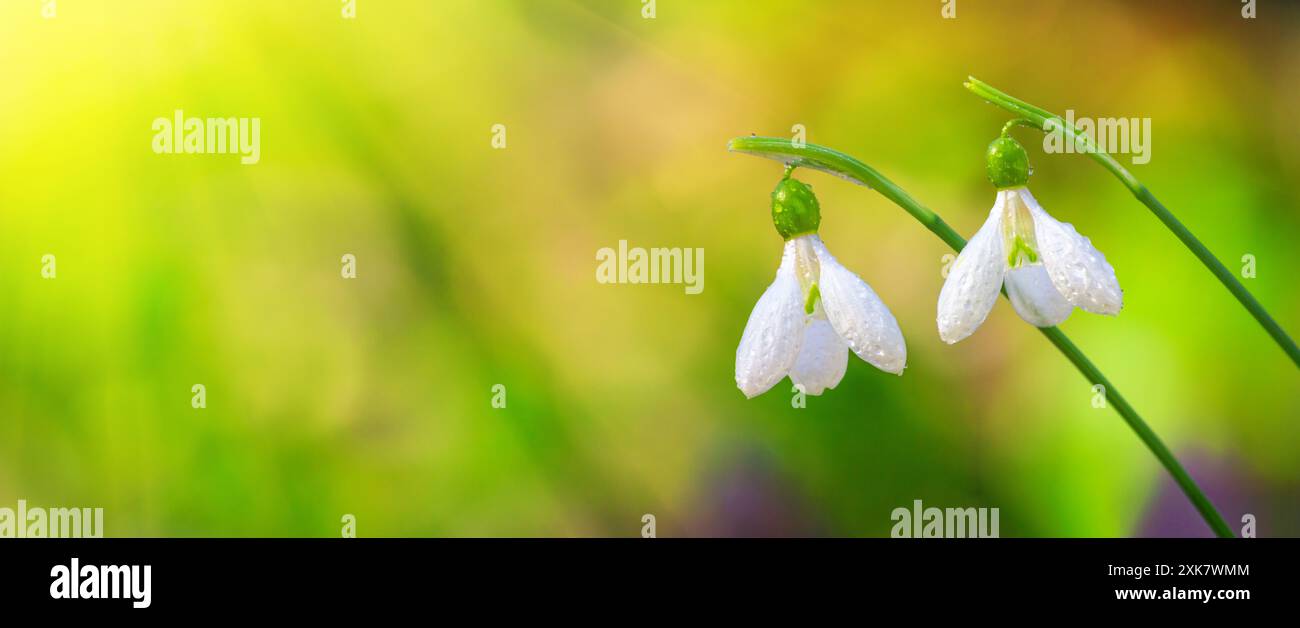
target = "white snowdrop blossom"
x: 1048, y: 269
x: 807, y: 321
x: 814, y: 312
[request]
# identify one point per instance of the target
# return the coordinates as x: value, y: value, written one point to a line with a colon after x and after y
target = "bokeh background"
x: 476, y: 266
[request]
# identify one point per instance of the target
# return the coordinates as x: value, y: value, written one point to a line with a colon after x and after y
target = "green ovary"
x: 795, y: 210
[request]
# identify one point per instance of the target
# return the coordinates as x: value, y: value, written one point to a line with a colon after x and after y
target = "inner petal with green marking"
x: 1018, y: 232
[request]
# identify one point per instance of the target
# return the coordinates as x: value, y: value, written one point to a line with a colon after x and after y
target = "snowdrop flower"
x: 1048, y: 268
x: 814, y: 312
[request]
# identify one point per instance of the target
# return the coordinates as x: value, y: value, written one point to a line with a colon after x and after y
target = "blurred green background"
x: 476, y: 266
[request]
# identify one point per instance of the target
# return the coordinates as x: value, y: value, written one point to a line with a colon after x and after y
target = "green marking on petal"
x: 811, y: 304
x: 1021, y: 252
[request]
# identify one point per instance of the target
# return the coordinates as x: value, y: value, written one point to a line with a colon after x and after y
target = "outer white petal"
x: 859, y: 316
x: 1035, y: 298
x: 1078, y: 270
x: 822, y: 360
x: 974, y: 280
x: 774, y: 333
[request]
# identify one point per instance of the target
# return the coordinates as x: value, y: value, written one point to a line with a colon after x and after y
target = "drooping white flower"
x: 1047, y: 266
x: 815, y: 311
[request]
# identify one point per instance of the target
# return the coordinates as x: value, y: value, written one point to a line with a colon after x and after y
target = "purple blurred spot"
x: 747, y: 496
x: 1229, y: 487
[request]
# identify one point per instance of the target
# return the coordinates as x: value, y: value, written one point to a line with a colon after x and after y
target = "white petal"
x: 859, y: 316
x: 772, y: 337
x: 822, y: 360
x: 974, y: 280
x: 1078, y: 270
x: 1035, y: 298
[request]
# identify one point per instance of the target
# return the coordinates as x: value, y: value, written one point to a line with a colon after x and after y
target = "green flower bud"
x: 1008, y: 163
x: 795, y: 210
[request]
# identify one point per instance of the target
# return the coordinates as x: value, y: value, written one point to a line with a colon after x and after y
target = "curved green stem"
x: 846, y: 167
x: 1015, y: 122
x: 1049, y: 122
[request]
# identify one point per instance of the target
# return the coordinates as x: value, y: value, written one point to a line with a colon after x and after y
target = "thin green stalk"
x: 846, y: 167
x: 1049, y: 122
